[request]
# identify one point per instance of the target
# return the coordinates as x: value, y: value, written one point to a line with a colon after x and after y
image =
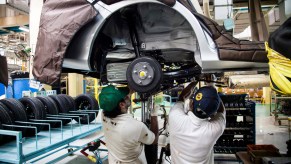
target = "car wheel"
x: 70, y: 100
x: 63, y: 106
x: 49, y: 105
x: 144, y: 75
x: 51, y: 108
x: 86, y: 102
x: 1, y: 137
x: 18, y: 111
x: 5, y: 117
x: 34, y: 110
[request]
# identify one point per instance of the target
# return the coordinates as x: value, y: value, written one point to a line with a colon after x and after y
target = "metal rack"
x: 48, y: 142
x: 278, y: 114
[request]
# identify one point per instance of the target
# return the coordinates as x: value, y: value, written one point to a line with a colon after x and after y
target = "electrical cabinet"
x: 240, y: 125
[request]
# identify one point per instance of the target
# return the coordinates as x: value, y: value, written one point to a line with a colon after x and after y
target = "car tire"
x: 11, y: 115
x: 86, y: 102
x: 49, y: 105
x: 34, y: 110
x: 5, y: 117
x: 153, y: 75
x: 18, y: 111
x: 63, y: 106
x: 50, y: 108
x: 1, y: 136
x: 70, y: 101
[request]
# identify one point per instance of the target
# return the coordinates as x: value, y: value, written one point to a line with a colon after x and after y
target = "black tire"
x: 18, y: 111
x: 49, y: 105
x: 5, y: 117
x: 155, y: 83
x: 70, y: 100
x: 8, y: 111
x: 63, y: 106
x: 50, y: 108
x: 1, y: 137
x: 86, y: 102
x: 34, y: 110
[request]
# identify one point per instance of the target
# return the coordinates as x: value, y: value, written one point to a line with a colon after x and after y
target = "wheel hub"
x: 143, y: 73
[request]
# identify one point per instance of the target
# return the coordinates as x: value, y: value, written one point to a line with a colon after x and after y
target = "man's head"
x: 205, y: 102
x: 114, y: 100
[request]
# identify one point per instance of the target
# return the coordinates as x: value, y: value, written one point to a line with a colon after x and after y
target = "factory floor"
x: 267, y: 132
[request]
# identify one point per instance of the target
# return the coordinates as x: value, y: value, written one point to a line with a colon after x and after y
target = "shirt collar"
x: 124, y: 115
x: 195, y: 119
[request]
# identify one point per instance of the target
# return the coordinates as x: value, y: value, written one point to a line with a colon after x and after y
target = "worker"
x: 124, y: 135
x: 196, y: 122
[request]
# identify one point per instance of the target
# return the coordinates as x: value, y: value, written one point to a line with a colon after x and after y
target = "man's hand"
x: 155, y: 110
x: 187, y: 91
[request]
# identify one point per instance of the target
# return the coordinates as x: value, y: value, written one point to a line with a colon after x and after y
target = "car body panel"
x: 206, y: 55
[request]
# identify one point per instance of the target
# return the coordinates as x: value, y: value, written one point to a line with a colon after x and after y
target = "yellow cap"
x: 142, y: 74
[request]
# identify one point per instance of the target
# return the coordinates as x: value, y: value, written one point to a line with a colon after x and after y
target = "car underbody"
x: 152, y: 47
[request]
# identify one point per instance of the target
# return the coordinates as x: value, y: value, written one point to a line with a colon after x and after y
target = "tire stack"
x: 13, y: 111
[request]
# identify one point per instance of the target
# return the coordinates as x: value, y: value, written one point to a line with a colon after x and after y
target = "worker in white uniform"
x: 195, y: 125
x: 124, y: 135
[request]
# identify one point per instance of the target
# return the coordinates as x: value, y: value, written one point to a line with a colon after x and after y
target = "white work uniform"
x: 125, y: 137
x: 191, y: 138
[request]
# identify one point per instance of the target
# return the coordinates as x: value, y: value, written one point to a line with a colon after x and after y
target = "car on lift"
x: 153, y: 46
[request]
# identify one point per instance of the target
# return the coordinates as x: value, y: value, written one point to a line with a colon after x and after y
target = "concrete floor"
x: 266, y: 133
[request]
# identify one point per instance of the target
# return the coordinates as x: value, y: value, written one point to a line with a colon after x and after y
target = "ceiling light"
x: 24, y: 28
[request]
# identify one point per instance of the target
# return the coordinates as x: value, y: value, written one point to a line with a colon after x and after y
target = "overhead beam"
x: 3, y: 29
x: 18, y: 20
x: 245, y: 4
x: 257, y: 21
x: 17, y: 9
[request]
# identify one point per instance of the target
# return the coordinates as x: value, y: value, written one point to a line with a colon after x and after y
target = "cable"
x: 168, y: 160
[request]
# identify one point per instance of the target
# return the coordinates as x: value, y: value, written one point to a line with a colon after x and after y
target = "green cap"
x: 110, y: 97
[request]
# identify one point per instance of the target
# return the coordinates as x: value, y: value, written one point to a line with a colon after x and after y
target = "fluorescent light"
x: 24, y: 28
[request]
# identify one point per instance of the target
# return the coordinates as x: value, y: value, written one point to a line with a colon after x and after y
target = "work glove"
x: 155, y: 110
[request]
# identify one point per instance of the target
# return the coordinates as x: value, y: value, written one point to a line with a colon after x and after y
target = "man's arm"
x: 187, y: 91
x: 221, y: 107
x: 155, y: 128
x: 219, y: 120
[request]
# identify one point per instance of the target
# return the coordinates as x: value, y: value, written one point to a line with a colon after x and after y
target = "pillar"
x: 284, y: 9
x: 34, y: 19
x: 267, y: 95
x: 75, y: 84
x: 206, y: 8
x: 257, y: 22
